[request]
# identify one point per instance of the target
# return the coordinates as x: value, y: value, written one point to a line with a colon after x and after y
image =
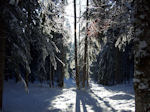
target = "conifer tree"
x: 142, y: 55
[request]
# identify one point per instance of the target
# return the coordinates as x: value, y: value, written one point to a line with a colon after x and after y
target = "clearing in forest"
x: 41, y: 98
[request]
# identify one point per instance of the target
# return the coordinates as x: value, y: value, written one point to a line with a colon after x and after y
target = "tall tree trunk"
x: 75, y: 38
x: 2, y: 60
x: 79, y: 21
x: 63, y: 53
x: 50, y: 74
x: 85, y: 49
x: 142, y: 56
x: 63, y: 66
x: 87, y: 73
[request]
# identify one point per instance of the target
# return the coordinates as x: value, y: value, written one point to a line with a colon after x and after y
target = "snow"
x: 34, y: 22
x: 24, y: 10
x: 23, y: 30
x: 143, y: 86
x: 136, y: 80
x: 41, y: 98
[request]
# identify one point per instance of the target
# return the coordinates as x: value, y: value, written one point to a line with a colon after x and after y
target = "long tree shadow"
x: 105, y: 102
x: 90, y: 103
x: 121, y: 97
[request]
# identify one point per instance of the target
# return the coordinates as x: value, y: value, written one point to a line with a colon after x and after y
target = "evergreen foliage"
x: 34, y: 28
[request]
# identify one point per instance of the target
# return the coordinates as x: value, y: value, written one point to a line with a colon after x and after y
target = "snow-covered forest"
x: 74, y: 56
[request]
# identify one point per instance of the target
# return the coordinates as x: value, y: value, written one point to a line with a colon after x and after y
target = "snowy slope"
x: 98, y: 98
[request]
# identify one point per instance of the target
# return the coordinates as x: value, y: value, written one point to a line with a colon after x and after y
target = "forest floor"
x: 41, y: 98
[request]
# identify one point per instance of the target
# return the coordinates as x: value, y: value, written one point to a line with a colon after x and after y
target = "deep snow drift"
x: 41, y: 98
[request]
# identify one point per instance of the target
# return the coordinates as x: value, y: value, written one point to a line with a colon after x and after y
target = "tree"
x: 2, y: 52
x: 85, y: 72
x: 75, y: 40
x: 111, y: 25
x: 2, y: 59
x: 30, y: 39
x: 142, y: 56
x: 79, y: 22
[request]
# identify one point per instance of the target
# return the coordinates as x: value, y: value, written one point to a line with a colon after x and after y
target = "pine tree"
x: 142, y: 56
x: 114, y: 32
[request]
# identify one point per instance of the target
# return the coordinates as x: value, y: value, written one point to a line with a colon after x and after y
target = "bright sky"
x: 69, y: 10
x: 69, y: 13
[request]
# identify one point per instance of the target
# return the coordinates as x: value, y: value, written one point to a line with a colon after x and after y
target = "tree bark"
x: 85, y: 49
x: 79, y: 21
x: 63, y: 66
x: 87, y: 73
x: 142, y: 56
x: 75, y: 38
x: 50, y: 75
x: 2, y: 60
x: 63, y: 54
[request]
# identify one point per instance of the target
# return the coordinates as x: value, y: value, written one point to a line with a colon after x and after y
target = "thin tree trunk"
x: 27, y: 78
x: 142, y: 56
x: 75, y: 38
x: 63, y: 67
x: 87, y: 73
x: 79, y: 21
x: 63, y: 53
x: 2, y: 60
x: 85, y: 49
x: 50, y: 75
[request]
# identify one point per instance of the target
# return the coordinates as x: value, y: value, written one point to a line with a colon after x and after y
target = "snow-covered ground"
x: 41, y: 98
